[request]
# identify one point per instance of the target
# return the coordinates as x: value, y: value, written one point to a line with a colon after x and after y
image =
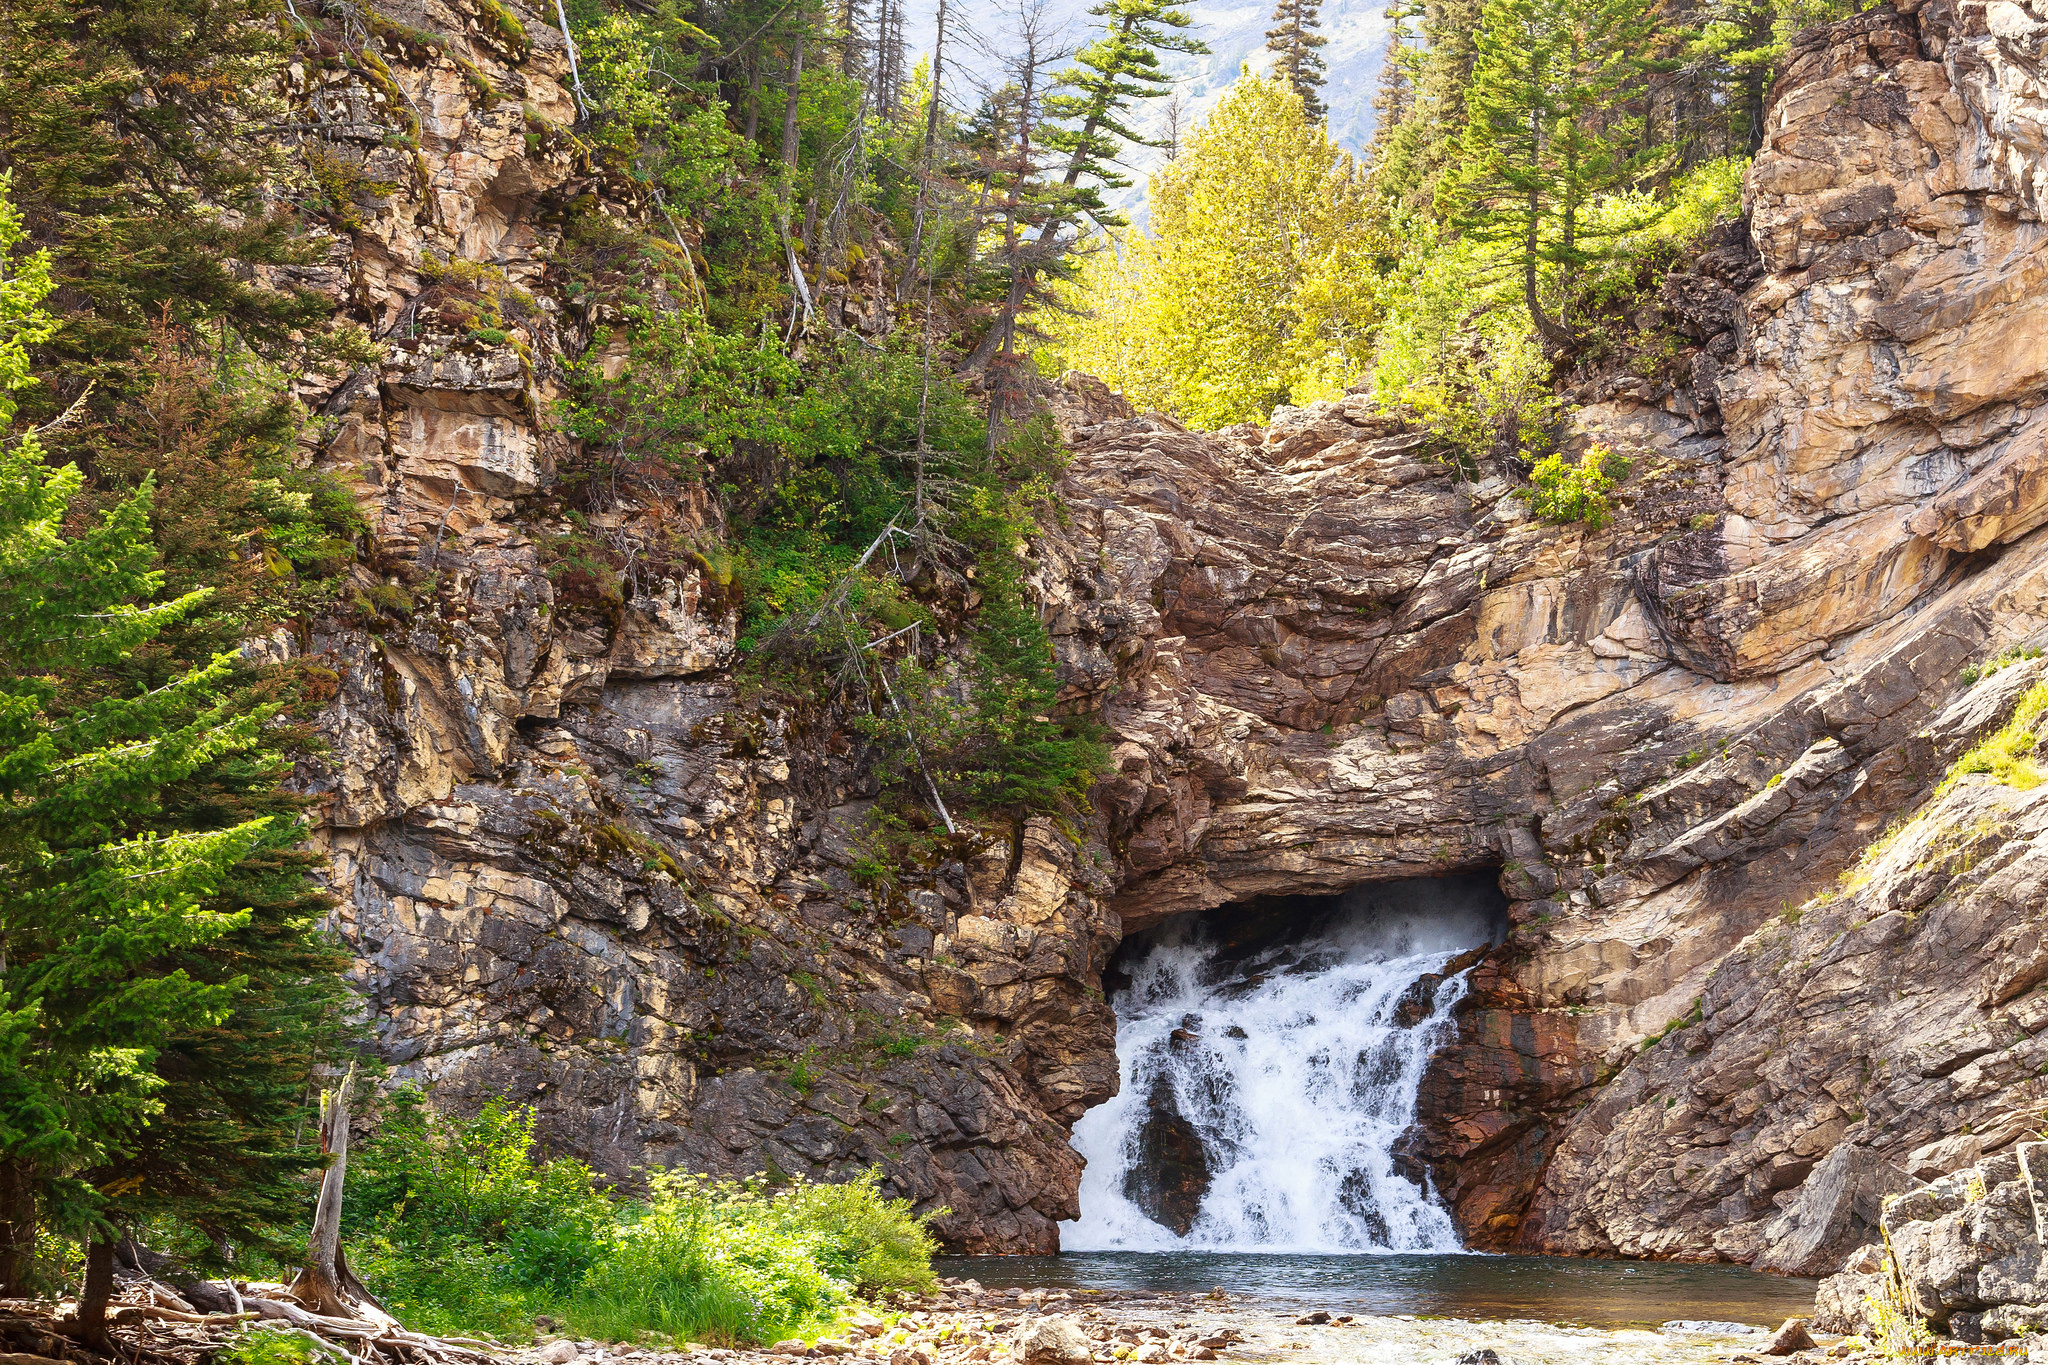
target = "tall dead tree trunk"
x: 912, y: 265
x: 325, y: 1283
x: 792, y: 91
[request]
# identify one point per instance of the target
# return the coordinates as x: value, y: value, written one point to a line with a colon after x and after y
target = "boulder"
x: 1790, y: 1337
x: 1837, y: 1208
x: 1842, y: 1304
x: 1050, y: 1339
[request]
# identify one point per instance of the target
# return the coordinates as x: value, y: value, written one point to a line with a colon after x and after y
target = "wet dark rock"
x: 1172, y: 1173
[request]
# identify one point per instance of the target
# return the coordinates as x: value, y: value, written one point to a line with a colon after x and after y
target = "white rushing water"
x: 1298, y: 1070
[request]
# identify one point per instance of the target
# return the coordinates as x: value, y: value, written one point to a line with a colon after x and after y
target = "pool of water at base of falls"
x: 1560, y: 1289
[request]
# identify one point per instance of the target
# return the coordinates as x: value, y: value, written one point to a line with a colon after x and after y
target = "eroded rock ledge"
x: 583, y: 870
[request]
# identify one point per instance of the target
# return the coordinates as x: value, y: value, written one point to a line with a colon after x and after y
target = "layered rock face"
x: 1328, y: 661
x: 586, y: 868
x: 1963, y: 1254
x: 580, y: 867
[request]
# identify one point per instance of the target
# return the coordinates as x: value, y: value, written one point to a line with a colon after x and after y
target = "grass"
x: 461, y: 1228
x: 2008, y: 754
x: 2004, y: 659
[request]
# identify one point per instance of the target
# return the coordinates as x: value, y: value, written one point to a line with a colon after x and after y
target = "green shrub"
x: 1459, y: 355
x: 865, y: 1239
x: 1565, y: 493
x: 2008, y: 755
x: 1653, y: 231
x: 1999, y: 662
x: 267, y: 1345
x: 459, y: 1228
x: 711, y: 1262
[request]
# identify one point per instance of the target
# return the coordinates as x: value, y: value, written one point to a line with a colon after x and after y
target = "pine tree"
x: 1547, y: 133
x: 1727, y: 56
x: 1297, y: 48
x: 128, y: 127
x: 1394, y: 101
x: 1096, y: 95
x: 1410, y: 160
x: 155, y: 1031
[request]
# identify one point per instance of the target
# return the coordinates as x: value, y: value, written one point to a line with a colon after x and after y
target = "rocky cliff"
x: 585, y: 868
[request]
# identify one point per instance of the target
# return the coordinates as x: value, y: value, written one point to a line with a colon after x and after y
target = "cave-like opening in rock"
x: 1271, y: 1054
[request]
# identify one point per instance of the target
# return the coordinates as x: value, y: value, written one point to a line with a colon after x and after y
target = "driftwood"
x: 147, y: 1322
x: 139, y: 1328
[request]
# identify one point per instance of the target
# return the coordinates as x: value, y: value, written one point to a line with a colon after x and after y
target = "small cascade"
x: 1270, y: 1067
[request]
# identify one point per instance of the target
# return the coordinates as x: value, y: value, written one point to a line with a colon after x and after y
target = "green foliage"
x: 1997, y: 663
x: 1414, y: 154
x: 1646, y: 234
x: 1457, y: 355
x: 812, y: 463
x: 124, y: 124
x: 1549, y: 129
x: 458, y: 1226
x: 662, y: 123
x: 2008, y: 755
x: 1563, y: 492
x: 1260, y: 286
x: 263, y: 1345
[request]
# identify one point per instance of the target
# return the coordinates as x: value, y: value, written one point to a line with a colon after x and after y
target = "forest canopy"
x: 1537, y: 166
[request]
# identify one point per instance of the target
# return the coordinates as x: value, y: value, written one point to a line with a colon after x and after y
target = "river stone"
x: 1790, y: 1337
x: 1050, y: 1341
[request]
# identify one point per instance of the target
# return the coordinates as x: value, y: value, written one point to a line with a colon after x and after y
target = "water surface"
x: 1561, y: 1289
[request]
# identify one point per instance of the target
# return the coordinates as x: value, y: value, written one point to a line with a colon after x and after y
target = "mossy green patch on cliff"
x: 2008, y: 755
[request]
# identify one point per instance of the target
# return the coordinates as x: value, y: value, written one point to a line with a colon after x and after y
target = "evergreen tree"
x: 1727, y: 56
x: 1410, y: 160
x: 127, y: 125
x: 1297, y: 49
x: 1394, y: 101
x: 156, y: 1030
x: 1547, y: 132
x: 1096, y: 95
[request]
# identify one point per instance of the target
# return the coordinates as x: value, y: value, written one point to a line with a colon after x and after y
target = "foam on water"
x: 1298, y: 1069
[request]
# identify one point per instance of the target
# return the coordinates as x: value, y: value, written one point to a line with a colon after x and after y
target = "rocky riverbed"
x: 965, y: 1325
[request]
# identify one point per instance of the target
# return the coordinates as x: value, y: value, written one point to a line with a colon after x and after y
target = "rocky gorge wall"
x: 585, y: 867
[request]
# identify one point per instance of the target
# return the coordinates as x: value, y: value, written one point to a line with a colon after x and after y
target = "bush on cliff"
x: 459, y: 1227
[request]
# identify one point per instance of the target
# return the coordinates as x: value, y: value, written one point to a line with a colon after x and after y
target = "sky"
x: 1234, y: 31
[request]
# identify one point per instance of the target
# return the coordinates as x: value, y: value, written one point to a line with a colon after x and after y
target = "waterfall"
x: 1265, y: 1086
